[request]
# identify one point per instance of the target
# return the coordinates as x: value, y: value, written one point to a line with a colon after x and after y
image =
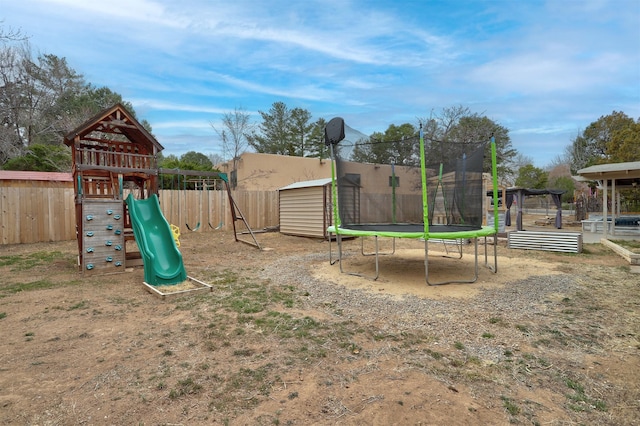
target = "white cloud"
x: 542, y: 69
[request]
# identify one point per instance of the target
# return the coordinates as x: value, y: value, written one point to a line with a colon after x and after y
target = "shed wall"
x: 302, y: 211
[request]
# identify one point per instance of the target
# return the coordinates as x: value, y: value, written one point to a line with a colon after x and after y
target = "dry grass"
x: 272, y: 344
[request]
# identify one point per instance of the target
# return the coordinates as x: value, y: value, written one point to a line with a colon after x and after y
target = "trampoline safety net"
x: 380, y: 185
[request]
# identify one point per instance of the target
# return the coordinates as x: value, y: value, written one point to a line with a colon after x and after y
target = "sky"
x: 544, y: 70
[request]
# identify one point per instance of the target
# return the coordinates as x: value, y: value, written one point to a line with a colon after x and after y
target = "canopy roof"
x: 528, y: 191
x: 533, y: 191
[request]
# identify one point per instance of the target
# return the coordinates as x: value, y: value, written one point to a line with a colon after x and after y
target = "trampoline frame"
x: 422, y: 231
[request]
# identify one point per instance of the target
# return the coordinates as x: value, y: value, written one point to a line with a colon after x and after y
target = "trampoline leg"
x: 356, y: 273
x: 339, y: 241
x: 377, y: 264
x: 426, y: 266
x: 331, y: 261
x: 475, y: 243
x: 426, y: 260
x: 493, y: 268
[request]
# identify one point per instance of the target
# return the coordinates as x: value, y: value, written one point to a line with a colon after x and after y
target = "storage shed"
x: 305, y: 208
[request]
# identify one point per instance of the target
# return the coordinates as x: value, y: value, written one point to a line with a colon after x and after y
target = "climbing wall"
x: 102, y: 236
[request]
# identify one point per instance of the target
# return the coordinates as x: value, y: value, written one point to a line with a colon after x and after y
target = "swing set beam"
x: 236, y: 214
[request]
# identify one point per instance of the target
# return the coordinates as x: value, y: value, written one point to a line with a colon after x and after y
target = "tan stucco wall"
x: 269, y: 172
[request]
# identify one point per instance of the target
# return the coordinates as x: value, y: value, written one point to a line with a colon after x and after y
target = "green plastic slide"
x: 162, y: 260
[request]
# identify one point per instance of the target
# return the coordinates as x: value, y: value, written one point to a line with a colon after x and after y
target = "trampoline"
x: 404, y: 194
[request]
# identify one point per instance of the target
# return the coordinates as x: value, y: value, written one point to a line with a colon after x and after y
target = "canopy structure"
x: 518, y: 194
x: 620, y: 176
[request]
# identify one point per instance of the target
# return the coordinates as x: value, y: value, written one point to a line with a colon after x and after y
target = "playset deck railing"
x: 108, y: 158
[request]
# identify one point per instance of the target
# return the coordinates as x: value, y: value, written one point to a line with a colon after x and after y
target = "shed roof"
x: 307, y: 184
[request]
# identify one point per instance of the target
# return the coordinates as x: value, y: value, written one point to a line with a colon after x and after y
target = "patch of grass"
x: 541, y: 343
x: 434, y: 354
x: 510, y: 406
x: 247, y: 305
x: 3, y: 315
x: 79, y: 305
x: 242, y: 389
x: 285, y: 326
x: 30, y: 260
x: 243, y: 352
x: 575, y: 386
x: 487, y: 336
x: 188, y: 386
x: 458, y: 345
x: 119, y: 300
x: 34, y: 285
x: 522, y: 328
x: 222, y: 278
x: 580, y: 401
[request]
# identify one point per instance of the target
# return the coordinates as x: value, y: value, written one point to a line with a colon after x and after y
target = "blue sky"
x: 543, y: 69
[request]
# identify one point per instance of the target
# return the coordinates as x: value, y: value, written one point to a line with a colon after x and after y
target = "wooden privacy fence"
x: 37, y: 214
x: 32, y: 213
x: 211, y: 211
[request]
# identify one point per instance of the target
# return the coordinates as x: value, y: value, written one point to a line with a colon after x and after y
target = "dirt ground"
x: 284, y: 338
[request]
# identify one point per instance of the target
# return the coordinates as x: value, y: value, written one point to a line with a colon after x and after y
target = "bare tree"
x: 456, y: 130
x: 236, y: 125
x: 9, y: 34
x: 215, y: 158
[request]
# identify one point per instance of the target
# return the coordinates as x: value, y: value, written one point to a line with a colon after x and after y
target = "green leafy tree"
x: 397, y: 145
x: 195, y: 161
x: 191, y: 160
x: 300, y: 129
x: 559, y: 177
x: 531, y: 177
x: 565, y: 183
x: 624, y: 144
x: 315, y: 145
x: 283, y: 131
x: 42, y: 99
x: 274, y: 136
x: 609, y: 139
x: 42, y: 158
x: 73, y: 109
